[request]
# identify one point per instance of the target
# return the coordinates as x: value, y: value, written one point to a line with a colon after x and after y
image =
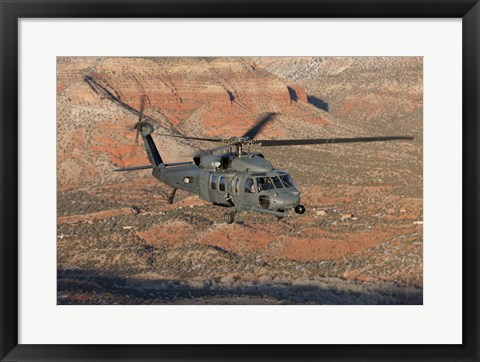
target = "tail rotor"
x: 139, y: 125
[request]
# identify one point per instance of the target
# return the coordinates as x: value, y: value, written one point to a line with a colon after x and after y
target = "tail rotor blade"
x: 142, y: 105
x: 139, y: 124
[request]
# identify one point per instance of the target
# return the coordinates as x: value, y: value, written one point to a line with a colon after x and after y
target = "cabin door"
x: 218, y: 189
x: 249, y: 192
x: 235, y: 191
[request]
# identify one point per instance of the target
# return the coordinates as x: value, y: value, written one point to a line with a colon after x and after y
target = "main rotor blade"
x: 133, y: 168
x: 252, y: 132
x: 321, y: 141
x: 192, y: 138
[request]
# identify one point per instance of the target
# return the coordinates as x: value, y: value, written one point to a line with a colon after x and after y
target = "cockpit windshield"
x: 286, y: 179
x: 276, y: 181
x: 288, y: 182
x: 281, y: 181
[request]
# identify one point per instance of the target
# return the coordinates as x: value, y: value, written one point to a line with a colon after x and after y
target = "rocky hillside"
x: 383, y: 93
x: 194, y: 96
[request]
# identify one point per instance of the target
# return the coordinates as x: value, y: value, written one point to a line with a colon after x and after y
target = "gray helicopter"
x: 233, y: 178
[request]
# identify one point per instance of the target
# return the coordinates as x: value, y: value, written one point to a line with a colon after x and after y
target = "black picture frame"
x: 12, y: 11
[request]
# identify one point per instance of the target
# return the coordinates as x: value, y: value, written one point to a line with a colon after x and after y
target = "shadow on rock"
x: 85, y: 287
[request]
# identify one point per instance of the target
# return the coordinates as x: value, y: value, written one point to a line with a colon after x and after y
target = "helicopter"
x: 234, y: 178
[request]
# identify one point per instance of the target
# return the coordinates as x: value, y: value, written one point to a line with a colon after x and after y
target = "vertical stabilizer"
x: 150, y: 147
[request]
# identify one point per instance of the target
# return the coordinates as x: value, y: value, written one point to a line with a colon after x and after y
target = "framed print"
x: 255, y: 247
x: 202, y: 180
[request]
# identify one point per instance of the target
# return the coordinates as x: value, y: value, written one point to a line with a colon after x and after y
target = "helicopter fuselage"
x: 240, y: 182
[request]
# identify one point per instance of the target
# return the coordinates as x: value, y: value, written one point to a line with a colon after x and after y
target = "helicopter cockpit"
x: 263, y: 182
x: 279, y: 181
x: 276, y: 190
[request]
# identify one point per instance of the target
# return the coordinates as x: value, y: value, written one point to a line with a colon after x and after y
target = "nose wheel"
x: 229, y: 217
x: 300, y: 209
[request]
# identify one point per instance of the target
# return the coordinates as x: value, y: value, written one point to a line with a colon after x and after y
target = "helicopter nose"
x: 285, y: 200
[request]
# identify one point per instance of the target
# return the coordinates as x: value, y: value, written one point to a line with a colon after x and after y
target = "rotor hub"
x: 239, y: 140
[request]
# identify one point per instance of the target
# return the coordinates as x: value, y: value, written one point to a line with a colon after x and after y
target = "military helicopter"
x: 234, y: 179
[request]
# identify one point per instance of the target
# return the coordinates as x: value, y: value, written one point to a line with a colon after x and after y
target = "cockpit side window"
x: 264, y: 183
x: 249, y: 186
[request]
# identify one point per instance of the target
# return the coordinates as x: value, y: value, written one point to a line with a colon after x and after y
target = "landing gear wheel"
x: 229, y: 217
x: 299, y: 209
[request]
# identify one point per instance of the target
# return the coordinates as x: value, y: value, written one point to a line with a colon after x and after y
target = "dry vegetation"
x: 360, y: 242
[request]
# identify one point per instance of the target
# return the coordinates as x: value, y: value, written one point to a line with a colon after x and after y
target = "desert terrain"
x: 359, y: 242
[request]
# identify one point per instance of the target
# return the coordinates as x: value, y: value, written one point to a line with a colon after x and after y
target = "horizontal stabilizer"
x: 178, y: 164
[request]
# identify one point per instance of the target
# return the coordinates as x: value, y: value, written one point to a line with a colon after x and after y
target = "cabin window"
x: 237, y: 183
x: 221, y: 183
x: 249, y: 186
x: 213, y: 181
